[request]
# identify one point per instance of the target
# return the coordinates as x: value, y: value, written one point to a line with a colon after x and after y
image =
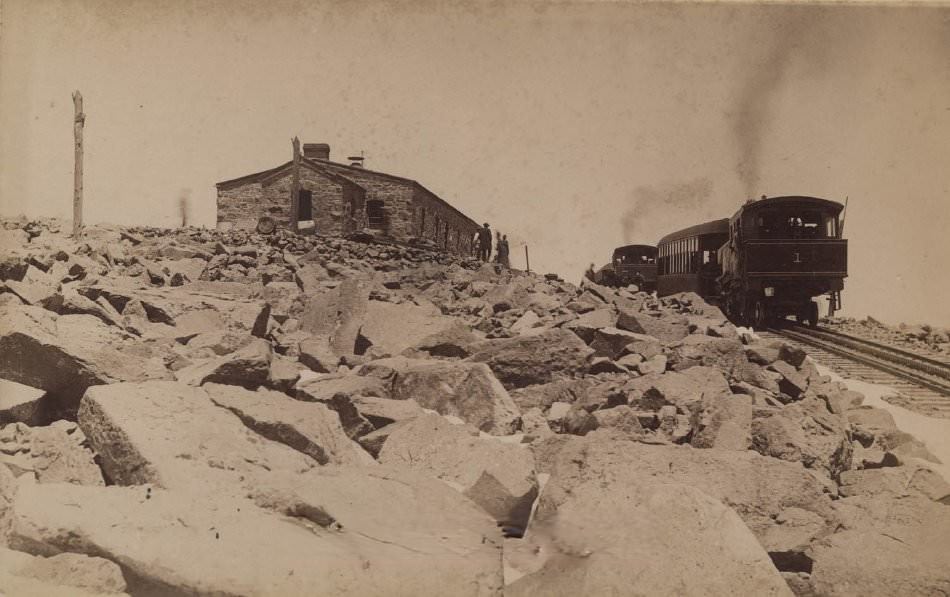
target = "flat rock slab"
x: 308, y: 427
x: 528, y: 360
x: 497, y: 476
x: 647, y: 538
x: 466, y: 390
x: 173, y: 436
x: 227, y: 546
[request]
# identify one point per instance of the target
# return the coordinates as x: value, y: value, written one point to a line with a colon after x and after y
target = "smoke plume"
x: 791, y: 38
x: 655, y: 209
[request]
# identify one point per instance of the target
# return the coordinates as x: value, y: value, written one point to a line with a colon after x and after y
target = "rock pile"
x: 924, y: 337
x: 303, y: 415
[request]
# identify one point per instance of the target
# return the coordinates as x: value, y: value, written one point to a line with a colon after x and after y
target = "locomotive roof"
x: 833, y: 206
x: 629, y: 248
x: 714, y: 227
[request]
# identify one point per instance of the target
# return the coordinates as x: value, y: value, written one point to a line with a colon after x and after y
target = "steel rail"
x: 865, y: 357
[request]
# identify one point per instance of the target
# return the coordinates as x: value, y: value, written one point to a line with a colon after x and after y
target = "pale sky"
x: 572, y: 127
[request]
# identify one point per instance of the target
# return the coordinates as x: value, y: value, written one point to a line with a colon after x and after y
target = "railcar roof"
x: 833, y: 206
x: 714, y: 227
x: 632, y: 248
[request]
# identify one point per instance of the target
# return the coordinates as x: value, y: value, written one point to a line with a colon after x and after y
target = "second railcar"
x: 635, y: 264
x: 688, y: 259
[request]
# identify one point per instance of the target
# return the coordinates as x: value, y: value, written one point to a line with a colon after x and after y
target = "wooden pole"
x: 527, y: 262
x: 295, y: 188
x: 79, y: 119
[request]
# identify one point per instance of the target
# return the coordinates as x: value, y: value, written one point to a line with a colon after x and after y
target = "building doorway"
x: 375, y: 215
x: 305, y: 206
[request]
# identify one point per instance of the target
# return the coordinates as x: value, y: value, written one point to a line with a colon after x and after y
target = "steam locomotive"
x: 771, y: 259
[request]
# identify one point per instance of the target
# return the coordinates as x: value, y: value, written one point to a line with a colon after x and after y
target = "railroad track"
x: 923, y: 382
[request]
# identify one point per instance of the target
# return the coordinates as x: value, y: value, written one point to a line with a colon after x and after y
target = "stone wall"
x: 433, y: 219
x: 339, y: 196
x: 335, y: 204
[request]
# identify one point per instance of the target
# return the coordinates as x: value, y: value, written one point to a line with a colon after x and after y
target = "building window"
x: 375, y: 215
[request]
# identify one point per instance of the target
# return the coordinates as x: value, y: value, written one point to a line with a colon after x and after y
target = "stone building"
x: 344, y: 198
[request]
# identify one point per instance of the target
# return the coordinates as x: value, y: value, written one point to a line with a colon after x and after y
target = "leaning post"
x: 79, y: 119
x: 527, y: 262
x: 295, y: 188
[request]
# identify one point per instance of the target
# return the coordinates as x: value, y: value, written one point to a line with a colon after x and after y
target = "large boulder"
x: 394, y: 327
x: 466, y: 390
x: 63, y: 355
x: 172, y: 435
x: 724, y: 422
x: 453, y: 342
x: 60, y: 454
x: 887, y: 546
x: 248, y: 367
x: 723, y: 353
x: 756, y: 487
x: 685, y: 390
x: 337, y: 315
x: 646, y: 538
x: 667, y: 329
x: 310, y: 428
x: 587, y: 324
x: 804, y: 432
x: 338, y: 536
x: 8, y: 489
x: 61, y: 574
x: 527, y: 360
x: 322, y: 388
x: 496, y: 475
x: 21, y: 403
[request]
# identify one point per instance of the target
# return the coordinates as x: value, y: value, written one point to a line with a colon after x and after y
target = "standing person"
x: 503, y: 252
x: 476, y: 246
x: 484, y: 242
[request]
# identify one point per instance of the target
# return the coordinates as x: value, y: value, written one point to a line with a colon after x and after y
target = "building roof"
x: 337, y: 170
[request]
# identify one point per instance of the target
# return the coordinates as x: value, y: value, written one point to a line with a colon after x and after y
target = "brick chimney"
x: 320, y: 151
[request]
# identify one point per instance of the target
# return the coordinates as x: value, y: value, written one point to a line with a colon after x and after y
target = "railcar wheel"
x: 812, y: 315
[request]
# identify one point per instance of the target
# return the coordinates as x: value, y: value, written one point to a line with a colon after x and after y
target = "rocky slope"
x: 919, y: 338
x: 189, y: 412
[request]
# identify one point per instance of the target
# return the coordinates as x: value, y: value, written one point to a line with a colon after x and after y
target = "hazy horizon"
x: 572, y: 127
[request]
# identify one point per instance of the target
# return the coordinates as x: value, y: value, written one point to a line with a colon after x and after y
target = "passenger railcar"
x: 631, y: 264
x: 688, y: 259
x: 781, y: 253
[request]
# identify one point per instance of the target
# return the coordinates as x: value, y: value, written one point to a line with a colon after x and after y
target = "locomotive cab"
x: 783, y: 252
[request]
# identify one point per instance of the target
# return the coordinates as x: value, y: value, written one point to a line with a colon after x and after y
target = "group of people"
x: 481, y: 246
